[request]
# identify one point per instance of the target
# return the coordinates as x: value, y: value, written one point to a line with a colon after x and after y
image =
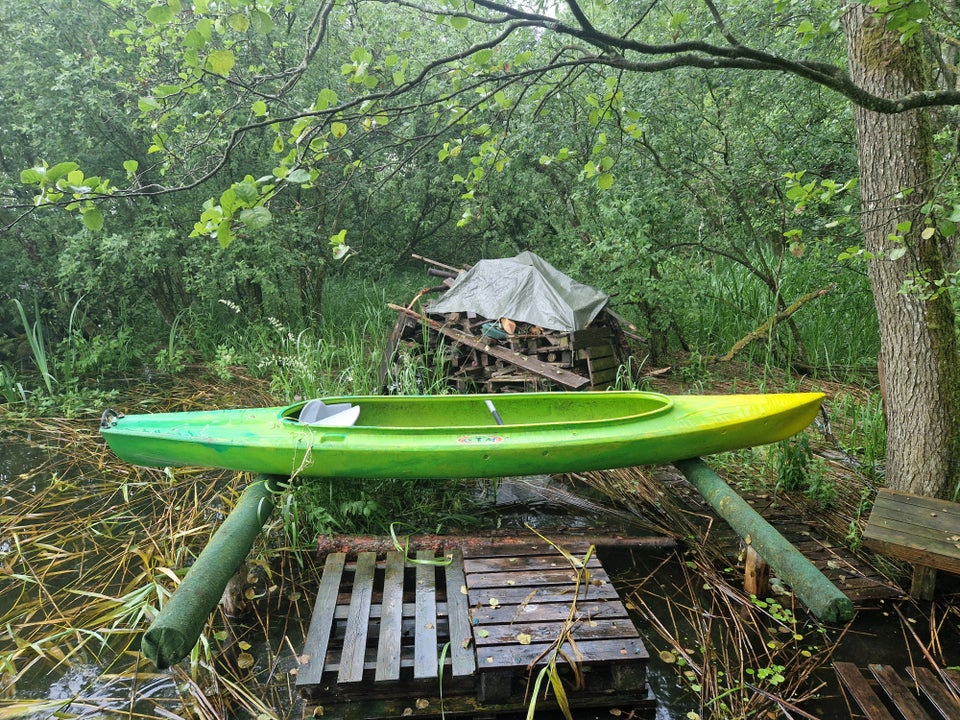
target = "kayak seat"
x: 317, y: 412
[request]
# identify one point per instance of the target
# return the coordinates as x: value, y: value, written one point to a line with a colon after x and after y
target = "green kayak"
x: 460, y: 435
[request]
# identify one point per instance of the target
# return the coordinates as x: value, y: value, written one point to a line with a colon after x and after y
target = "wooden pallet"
x: 381, y: 629
x: 941, y: 695
x: 522, y: 599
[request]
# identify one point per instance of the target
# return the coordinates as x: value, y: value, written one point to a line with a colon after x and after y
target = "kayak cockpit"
x: 475, y: 411
x: 318, y: 413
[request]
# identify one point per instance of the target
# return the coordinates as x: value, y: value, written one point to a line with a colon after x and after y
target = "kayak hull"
x: 459, y: 435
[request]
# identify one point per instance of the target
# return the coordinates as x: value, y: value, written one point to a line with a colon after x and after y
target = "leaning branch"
x: 772, y: 322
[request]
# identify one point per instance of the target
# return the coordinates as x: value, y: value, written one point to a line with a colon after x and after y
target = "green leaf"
x: 228, y: 201
x: 147, y: 104
x: 220, y: 62
x: 33, y: 176
x: 194, y: 39
x: 160, y: 14
x: 605, y: 181
x: 92, y: 218
x: 459, y: 22
x: 300, y: 176
x: 225, y: 234
x: 482, y: 57
x: 131, y: 166
x: 239, y: 22
x: 256, y: 218
x: 338, y: 129
x: 361, y: 56
x: 246, y: 191
x: 325, y: 98
x: 162, y: 91
x: 261, y: 22
x: 259, y: 108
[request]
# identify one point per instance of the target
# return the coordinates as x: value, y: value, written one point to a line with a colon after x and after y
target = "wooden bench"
x: 920, y: 530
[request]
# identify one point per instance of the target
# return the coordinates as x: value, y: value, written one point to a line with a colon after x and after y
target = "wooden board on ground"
x: 924, y: 696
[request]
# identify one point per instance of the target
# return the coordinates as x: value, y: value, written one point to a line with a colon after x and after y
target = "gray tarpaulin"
x: 525, y: 288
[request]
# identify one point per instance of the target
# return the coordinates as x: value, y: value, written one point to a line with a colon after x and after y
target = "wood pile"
x: 479, y: 354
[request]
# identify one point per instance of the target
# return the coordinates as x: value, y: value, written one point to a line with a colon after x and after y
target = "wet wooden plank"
x: 548, y: 593
x: 519, y: 549
x: 425, y: 636
x: 458, y: 614
x: 899, y: 692
x: 638, y: 704
x: 954, y: 677
x: 355, y: 639
x: 936, y: 692
x: 588, y: 652
x: 546, y: 632
x: 537, y: 578
x: 860, y: 690
x: 523, y: 563
x: 391, y: 620
x: 321, y: 623
x: 549, y: 612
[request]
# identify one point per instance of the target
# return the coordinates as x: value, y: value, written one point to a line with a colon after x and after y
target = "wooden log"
x: 353, y: 544
x: 811, y: 586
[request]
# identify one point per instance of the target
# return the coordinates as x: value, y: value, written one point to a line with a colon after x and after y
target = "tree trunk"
x: 918, y: 342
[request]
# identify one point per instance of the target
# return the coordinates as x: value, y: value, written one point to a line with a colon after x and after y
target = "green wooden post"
x: 811, y: 586
x: 175, y: 630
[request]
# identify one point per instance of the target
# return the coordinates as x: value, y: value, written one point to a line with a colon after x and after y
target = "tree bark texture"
x: 918, y: 342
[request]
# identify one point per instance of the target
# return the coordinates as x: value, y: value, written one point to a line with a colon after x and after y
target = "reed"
x: 34, y: 335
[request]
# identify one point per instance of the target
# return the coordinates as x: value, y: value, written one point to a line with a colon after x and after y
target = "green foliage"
x: 358, y: 507
x: 797, y: 468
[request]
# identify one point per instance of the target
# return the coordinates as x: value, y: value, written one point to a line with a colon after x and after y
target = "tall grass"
x: 838, y: 331
x: 38, y: 346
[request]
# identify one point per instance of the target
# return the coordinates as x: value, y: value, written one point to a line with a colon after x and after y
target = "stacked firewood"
x: 478, y: 354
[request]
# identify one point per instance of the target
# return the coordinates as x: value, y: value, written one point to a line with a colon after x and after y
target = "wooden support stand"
x: 756, y: 574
